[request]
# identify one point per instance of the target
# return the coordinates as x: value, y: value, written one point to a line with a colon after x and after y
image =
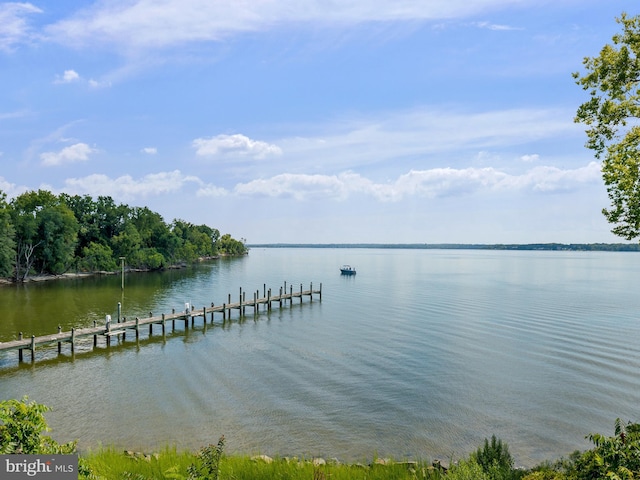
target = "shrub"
x: 22, y: 424
x: 467, y: 470
x: 616, y: 457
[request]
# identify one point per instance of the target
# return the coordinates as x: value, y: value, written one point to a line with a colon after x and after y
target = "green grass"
x: 109, y: 464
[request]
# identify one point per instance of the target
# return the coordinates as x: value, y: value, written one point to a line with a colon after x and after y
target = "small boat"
x: 347, y: 270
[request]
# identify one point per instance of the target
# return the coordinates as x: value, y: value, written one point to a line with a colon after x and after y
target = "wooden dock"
x: 189, y: 314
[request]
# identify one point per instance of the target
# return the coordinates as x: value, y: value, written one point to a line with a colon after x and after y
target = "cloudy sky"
x: 312, y: 121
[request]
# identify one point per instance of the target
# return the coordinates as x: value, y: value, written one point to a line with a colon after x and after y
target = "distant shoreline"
x: 577, y: 247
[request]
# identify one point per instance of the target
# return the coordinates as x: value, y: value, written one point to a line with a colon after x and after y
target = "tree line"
x: 44, y: 233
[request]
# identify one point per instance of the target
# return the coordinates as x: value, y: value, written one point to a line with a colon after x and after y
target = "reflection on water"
x: 423, y: 353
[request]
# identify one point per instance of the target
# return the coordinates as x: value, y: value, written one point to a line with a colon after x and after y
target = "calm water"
x: 423, y: 353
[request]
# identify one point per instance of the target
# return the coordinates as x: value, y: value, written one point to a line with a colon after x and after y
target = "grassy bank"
x: 22, y: 427
x: 172, y: 464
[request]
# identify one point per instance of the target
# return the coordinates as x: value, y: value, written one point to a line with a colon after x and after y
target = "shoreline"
x: 67, y: 276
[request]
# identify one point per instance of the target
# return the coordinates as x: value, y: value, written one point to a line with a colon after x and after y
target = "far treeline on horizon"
x: 578, y: 247
x: 43, y: 233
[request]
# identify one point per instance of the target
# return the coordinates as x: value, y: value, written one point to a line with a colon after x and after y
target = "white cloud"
x: 12, y: 115
x: 11, y: 189
x: 14, y: 28
x: 69, y: 76
x: 99, y: 84
x: 152, y: 24
x: 496, y: 27
x: 426, y: 131
x: 211, y: 191
x: 126, y: 187
x: 78, y: 152
x: 238, y: 145
x: 530, y: 158
x: 436, y: 182
x: 150, y: 150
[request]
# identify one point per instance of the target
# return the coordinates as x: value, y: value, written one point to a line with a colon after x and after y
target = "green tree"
x: 193, y: 241
x: 58, y: 233
x: 7, y: 242
x: 616, y: 458
x: 97, y: 257
x: 611, y: 117
x: 22, y: 425
x: 230, y: 246
x: 24, y: 211
x: 127, y: 242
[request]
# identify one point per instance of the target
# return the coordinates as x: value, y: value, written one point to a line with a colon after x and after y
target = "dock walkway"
x: 120, y: 327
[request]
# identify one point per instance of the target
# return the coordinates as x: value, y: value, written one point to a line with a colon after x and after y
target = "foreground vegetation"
x: 23, y: 427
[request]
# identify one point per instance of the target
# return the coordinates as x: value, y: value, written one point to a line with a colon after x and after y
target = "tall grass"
x: 108, y: 464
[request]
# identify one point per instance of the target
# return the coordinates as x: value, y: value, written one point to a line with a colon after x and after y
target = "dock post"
x: 107, y: 329
x: 73, y: 339
x: 300, y: 293
x: 320, y: 291
x: 173, y: 320
x: 59, y: 342
x: 269, y: 300
x: 95, y: 335
x: 255, y: 302
x: 244, y: 295
x: 311, y: 292
x: 264, y: 290
x: 224, y: 313
x: 204, y: 316
x: 20, y: 356
x: 33, y: 348
x: 119, y: 311
x: 212, y: 306
x: 137, y: 328
x: 280, y: 300
x: 285, y: 287
x: 290, y: 294
x: 164, y: 325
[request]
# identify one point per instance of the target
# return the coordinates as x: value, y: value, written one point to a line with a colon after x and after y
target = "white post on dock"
x: 107, y: 322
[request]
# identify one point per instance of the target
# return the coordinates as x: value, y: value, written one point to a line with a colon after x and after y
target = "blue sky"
x: 316, y: 121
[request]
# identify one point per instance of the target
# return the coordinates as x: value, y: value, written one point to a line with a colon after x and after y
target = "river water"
x: 422, y: 354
